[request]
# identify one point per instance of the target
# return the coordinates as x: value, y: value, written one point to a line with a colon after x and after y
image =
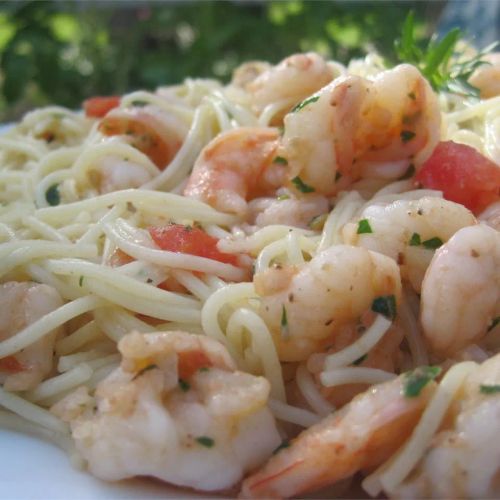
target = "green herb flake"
x: 80, y: 281
x: 183, y: 385
x: 489, y: 389
x: 52, y: 195
x: 284, y: 322
x: 282, y: 446
x: 305, y: 102
x: 280, y: 160
x: 282, y: 197
x: 302, y: 186
x: 407, y: 135
x: 204, y: 369
x: 415, y: 240
x: 144, y: 370
x: 364, y: 227
x: 494, y: 322
x: 205, y: 441
x: 432, y: 243
x: 417, y: 379
x: 385, y: 305
x: 360, y: 360
x: 317, y: 223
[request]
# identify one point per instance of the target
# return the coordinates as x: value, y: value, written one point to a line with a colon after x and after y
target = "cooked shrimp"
x: 463, y: 460
x: 305, y: 306
x: 487, y: 77
x: 353, y: 123
x: 287, y: 209
x: 461, y: 290
x: 409, y: 230
x: 113, y: 173
x: 176, y: 409
x: 156, y: 133
x: 235, y: 167
x: 360, y: 436
x: 292, y: 80
x: 22, y: 304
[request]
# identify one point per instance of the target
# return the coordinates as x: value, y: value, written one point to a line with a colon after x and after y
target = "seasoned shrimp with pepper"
x: 351, y: 126
x: 408, y: 231
x: 360, y: 436
x: 461, y: 290
x: 176, y: 409
x: 21, y: 304
x: 305, y: 306
x: 463, y: 460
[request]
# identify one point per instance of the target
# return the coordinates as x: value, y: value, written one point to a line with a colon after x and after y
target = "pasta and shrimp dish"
x: 271, y: 287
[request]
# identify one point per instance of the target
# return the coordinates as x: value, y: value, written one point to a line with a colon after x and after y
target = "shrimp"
x: 408, y: 231
x: 487, y: 77
x: 287, y: 209
x: 176, y: 409
x: 292, y: 80
x: 156, y: 133
x: 335, y: 135
x: 461, y: 290
x: 235, y: 167
x: 22, y: 304
x: 305, y: 306
x: 360, y: 436
x: 463, y: 460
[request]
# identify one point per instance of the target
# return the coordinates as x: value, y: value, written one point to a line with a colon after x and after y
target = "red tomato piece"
x: 191, y: 361
x: 190, y: 240
x: 10, y: 364
x: 463, y: 174
x: 97, y: 107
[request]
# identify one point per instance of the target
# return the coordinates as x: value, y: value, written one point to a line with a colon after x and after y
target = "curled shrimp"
x: 292, y: 80
x: 176, y: 409
x: 487, y: 76
x: 156, y: 133
x: 336, y: 135
x: 362, y: 435
x: 461, y: 290
x: 22, y: 304
x: 463, y: 460
x: 305, y: 306
x: 235, y: 167
x: 408, y: 231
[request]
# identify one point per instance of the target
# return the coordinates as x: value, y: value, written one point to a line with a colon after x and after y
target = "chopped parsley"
x: 364, y: 227
x: 305, y: 102
x: 144, y: 370
x: 415, y: 240
x: 282, y: 197
x: 183, y: 385
x: 489, y: 389
x: 385, y: 305
x: 203, y: 369
x: 284, y: 322
x: 280, y: 160
x: 417, y: 379
x: 52, y: 195
x: 432, y: 243
x: 80, y: 281
x: 282, y: 446
x: 360, y: 360
x: 301, y: 185
x: 407, y: 135
x: 205, y: 441
x: 494, y: 323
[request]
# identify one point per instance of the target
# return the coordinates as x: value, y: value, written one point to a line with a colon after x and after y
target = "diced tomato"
x: 10, y: 364
x: 119, y: 258
x: 97, y: 107
x: 191, y: 361
x: 463, y: 175
x: 190, y: 240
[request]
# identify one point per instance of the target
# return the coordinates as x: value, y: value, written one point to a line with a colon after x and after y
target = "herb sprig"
x: 435, y: 61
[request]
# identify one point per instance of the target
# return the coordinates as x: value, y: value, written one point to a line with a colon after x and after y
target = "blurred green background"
x: 62, y: 52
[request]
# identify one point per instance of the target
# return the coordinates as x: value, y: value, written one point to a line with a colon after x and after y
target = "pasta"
x: 184, y: 286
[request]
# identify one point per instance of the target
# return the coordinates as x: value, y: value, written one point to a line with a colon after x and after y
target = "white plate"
x: 33, y: 469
